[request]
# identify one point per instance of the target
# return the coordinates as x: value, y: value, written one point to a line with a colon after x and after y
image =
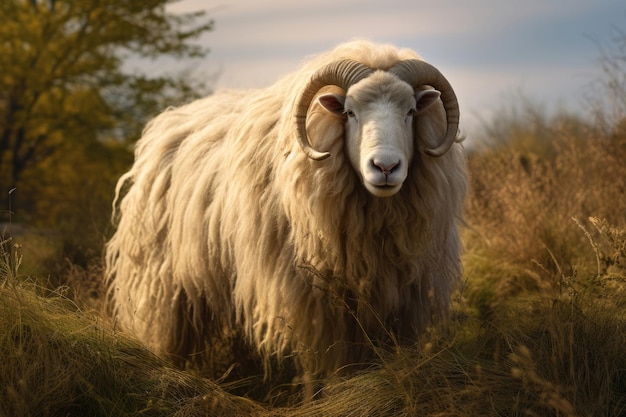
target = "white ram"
x: 231, y: 217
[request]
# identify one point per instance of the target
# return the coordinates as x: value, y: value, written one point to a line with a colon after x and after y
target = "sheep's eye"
x: 350, y: 113
x: 411, y: 112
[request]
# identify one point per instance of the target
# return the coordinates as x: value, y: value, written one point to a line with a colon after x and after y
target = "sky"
x: 493, y: 52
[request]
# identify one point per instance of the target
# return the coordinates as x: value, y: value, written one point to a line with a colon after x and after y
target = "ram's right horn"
x: 342, y: 74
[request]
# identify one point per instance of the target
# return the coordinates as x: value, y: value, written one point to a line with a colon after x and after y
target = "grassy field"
x: 538, y: 326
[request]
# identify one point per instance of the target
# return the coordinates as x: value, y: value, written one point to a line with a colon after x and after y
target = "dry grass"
x: 530, y: 335
x: 58, y: 360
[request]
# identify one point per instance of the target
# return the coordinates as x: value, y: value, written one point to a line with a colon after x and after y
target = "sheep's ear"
x: 425, y: 98
x: 333, y: 103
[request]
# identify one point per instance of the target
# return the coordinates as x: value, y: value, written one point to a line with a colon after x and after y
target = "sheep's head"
x: 378, y: 113
x: 379, y: 107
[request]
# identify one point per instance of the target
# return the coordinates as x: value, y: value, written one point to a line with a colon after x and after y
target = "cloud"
x: 488, y: 48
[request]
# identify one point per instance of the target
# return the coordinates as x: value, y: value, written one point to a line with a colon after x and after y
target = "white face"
x: 379, y: 130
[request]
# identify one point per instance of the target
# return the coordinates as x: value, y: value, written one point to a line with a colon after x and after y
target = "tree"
x: 64, y: 86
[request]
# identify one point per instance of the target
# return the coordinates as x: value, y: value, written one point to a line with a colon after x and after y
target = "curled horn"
x: 342, y: 74
x: 418, y: 73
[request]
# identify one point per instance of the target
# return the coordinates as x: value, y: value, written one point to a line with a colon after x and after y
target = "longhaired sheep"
x: 317, y: 217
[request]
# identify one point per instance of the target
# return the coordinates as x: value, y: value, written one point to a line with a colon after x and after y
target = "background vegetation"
x: 72, y: 104
x: 538, y: 327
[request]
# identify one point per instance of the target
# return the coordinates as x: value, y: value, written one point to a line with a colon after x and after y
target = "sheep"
x: 317, y: 217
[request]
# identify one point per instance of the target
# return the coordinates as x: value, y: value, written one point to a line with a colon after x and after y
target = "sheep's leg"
x: 308, y: 387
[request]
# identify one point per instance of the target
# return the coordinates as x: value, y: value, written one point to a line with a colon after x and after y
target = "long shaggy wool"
x: 224, y: 223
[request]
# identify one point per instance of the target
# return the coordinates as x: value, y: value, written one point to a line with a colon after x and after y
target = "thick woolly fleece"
x: 224, y: 223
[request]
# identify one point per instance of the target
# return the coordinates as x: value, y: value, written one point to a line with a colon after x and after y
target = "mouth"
x: 383, y: 190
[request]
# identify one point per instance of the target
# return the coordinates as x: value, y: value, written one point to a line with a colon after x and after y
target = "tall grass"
x: 59, y: 360
x: 538, y: 329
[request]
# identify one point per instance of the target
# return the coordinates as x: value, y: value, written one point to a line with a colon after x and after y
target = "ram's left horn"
x: 419, y: 73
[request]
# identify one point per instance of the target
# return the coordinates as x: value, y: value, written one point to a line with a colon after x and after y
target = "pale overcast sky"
x: 490, y: 50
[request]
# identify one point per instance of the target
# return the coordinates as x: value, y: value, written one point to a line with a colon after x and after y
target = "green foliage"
x: 70, y: 106
x: 63, y: 81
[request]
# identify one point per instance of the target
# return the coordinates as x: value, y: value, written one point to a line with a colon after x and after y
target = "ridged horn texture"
x: 418, y: 73
x: 342, y: 74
